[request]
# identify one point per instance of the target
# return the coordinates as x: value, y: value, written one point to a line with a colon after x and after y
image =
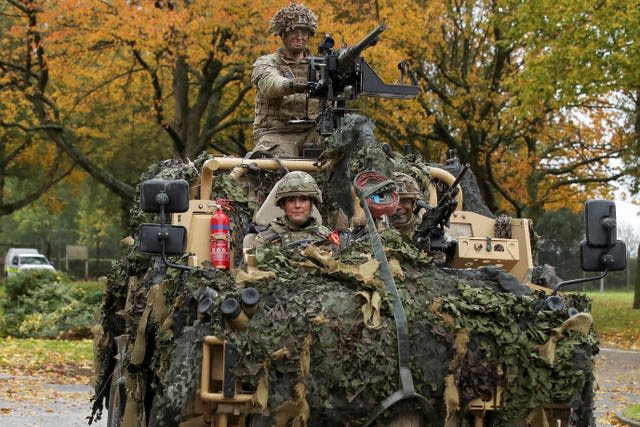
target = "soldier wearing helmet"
x: 281, y: 82
x: 403, y: 219
x: 296, y: 194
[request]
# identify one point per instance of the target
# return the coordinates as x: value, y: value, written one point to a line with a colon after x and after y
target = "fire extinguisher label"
x: 220, y: 254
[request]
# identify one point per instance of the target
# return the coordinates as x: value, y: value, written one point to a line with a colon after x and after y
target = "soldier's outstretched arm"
x: 267, y: 79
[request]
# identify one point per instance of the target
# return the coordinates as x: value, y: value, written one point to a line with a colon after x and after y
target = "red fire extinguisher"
x: 220, y: 239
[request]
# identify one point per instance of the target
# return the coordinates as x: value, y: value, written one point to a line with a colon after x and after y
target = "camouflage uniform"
x: 282, y: 230
x: 409, y: 229
x: 277, y: 102
x: 407, y: 189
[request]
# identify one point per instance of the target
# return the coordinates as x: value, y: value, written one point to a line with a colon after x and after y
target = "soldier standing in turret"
x: 403, y: 219
x: 281, y: 82
x: 296, y: 194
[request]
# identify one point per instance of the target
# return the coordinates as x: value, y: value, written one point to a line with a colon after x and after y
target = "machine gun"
x: 342, y: 75
x: 430, y: 235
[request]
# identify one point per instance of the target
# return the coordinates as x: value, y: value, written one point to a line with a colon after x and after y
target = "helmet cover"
x: 406, y: 186
x: 298, y: 183
x: 293, y: 16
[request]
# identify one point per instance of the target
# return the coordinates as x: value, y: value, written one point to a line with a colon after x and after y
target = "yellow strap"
x: 371, y: 309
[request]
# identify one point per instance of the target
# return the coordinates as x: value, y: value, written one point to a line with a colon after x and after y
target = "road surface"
x: 30, y: 401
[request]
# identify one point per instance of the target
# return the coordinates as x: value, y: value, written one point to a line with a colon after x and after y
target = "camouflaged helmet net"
x: 406, y: 185
x: 309, y: 316
x: 293, y: 16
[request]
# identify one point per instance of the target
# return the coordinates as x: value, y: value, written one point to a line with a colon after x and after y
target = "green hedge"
x: 46, y: 304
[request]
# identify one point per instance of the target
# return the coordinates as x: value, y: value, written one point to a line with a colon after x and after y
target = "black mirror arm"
x: 162, y: 236
x: 162, y: 199
x: 557, y: 287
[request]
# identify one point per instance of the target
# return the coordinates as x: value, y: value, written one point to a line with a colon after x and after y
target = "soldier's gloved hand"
x: 298, y: 87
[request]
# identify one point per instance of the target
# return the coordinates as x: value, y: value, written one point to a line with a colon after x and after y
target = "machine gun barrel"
x: 447, y: 203
x: 353, y: 53
x: 453, y: 188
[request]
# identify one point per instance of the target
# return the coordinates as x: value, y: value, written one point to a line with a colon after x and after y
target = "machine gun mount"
x: 342, y: 75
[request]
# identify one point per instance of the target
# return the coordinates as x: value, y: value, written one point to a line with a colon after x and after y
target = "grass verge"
x: 615, y: 320
x: 632, y: 412
x: 60, y: 358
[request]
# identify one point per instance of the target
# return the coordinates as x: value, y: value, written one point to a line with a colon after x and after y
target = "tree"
x: 37, y: 224
x: 185, y: 63
x: 560, y: 234
x: 529, y: 149
x: 25, y: 76
x: 629, y: 234
x: 636, y: 292
x: 131, y: 61
x: 21, y: 142
x: 495, y: 87
x: 592, y: 46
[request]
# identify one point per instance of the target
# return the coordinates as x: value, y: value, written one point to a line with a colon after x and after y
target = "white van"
x: 19, y: 259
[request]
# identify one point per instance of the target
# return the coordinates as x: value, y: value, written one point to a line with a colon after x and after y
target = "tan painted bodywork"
x: 477, y: 245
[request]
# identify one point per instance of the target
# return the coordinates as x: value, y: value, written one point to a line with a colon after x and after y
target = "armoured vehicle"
x: 452, y: 327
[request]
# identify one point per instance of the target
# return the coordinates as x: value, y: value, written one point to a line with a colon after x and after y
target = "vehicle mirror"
x: 598, y: 258
x: 600, y: 222
x: 554, y: 303
x: 152, y: 236
x: 173, y: 195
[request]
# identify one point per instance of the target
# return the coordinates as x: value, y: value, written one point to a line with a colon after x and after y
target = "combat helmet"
x: 406, y: 186
x: 298, y: 183
x: 293, y: 16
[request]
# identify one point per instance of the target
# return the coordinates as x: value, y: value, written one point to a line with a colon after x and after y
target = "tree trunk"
x: 636, y: 293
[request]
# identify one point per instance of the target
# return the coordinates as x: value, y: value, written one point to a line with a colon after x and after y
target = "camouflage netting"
x: 323, y: 342
x: 310, y: 330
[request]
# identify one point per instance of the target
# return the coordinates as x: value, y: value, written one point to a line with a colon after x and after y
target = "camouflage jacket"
x: 409, y: 229
x: 284, y: 232
x: 276, y: 103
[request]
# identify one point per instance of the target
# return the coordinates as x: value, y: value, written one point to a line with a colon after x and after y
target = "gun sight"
x: 326, y: 46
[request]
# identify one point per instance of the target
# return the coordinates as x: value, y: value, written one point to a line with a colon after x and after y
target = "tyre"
x: 113, y: 420
x: 410, y: 419
x: 117, y: 393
